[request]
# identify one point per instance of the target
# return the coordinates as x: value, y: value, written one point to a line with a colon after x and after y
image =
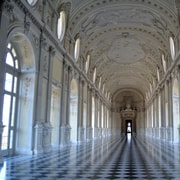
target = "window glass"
x: 94, y: 75
x: 77, y: 49
x: 100, y: 80
x: 9, y: 59
x: 8, y: 82
x: 32, y: 2
x: 87, y: 63
x: 158, y: 75
x: 164, y: 62
x: 61, y: 26
x: 6, y: 114
x: 9, y: 98
x: 172, y: 47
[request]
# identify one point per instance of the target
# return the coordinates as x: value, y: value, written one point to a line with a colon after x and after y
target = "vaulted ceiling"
x: 125, y: 39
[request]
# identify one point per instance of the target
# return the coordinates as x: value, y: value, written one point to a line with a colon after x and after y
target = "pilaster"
x: 81, y: 129
x: 65, y: 128
x: 89, y: 113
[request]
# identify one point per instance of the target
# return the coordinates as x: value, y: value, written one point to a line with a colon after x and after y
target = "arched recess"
x: 73, y: 110
x: 176, y: 121
x: 128, y: 105
x: 24, y: 108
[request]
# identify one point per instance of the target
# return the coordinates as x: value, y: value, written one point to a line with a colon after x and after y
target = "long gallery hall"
x: 89, y: 89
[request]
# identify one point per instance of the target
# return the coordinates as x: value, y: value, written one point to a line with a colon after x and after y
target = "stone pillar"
x: 170, y: 108
x: 162, y: 113
x: 47, y: 129
x: 153, y: 117
x: 178, y: 75
x: 89, y: 113
x: 41, y: 95
x: 96, y: 116
x: 81, y: 129
x: 158, y: 115
x: 65, y: 105
x: 100, y: 119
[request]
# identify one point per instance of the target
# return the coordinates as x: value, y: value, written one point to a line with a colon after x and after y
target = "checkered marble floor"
x: 126, y: 157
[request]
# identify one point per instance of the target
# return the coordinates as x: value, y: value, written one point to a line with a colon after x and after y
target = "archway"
x: 73, y: 110
x: 128, y: 127
x: 176, y: 111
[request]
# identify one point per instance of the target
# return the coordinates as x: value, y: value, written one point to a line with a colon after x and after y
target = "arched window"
x: 77, y: 49
x: 87, y: 63
x: 10, y: 98
x: 163, y: 62
x: 172, y: 47
x: 100, y: 81
x: 94, y: 75
x: 158, y: 75
x: 32, y: 2
x: 61, y: 25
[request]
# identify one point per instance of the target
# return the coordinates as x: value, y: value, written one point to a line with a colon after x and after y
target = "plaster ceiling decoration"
x: 126, y: 50
x: 125, y: 39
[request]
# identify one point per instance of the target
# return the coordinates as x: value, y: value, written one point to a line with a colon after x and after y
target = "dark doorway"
x: 128, y: 126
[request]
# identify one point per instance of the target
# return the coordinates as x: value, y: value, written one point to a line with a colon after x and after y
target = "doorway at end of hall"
x: 128, y: 127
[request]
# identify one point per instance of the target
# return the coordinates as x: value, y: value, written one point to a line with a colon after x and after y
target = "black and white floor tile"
x: 126, y: 157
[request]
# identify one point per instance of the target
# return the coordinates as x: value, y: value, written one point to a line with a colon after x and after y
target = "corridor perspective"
x: 89, y: 89
x: 110, y: 158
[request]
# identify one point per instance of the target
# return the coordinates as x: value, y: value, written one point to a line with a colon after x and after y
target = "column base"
x: 65, y: 135
x: 81, y: 134
x: 89, y: 133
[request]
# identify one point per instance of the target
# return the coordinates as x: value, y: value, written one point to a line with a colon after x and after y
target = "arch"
x: 73, y: 110
x: 117, y: 93
x: 176, y: 114
x: 22, y: 141
x: 127, y: 104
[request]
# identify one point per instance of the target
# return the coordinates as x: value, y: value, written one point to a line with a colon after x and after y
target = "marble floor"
x: 126, y: 157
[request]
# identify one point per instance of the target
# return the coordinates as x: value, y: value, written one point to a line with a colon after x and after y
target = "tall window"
x: 87, y: 63
x: 172, y: 47
x: 77, y: 49
x: 164, y: 62
x: 94, y: 75
x: 158, y: 75
x: 61, y: 26
x: 10, y: 99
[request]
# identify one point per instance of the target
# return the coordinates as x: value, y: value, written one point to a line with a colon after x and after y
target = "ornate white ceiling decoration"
x: 126, y: 38
x: 126, y: 50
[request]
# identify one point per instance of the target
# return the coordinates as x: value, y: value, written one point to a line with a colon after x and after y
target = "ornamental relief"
x: 130, y: 15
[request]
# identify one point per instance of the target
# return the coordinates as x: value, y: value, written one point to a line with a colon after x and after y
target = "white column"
x: 65, y: 105
x: 89, y: 113
x: 81, y: 128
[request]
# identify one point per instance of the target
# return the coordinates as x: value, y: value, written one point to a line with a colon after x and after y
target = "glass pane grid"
x: 8, y: 82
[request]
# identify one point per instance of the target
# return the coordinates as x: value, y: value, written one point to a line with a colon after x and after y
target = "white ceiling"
x: 125, y: 39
